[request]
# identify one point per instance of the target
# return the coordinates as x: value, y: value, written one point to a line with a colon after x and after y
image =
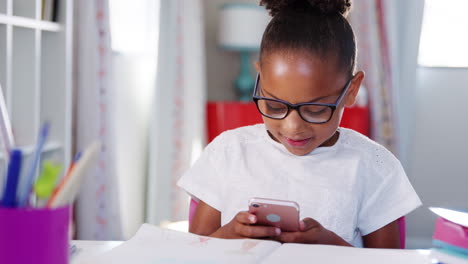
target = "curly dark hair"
x: 318, y: 27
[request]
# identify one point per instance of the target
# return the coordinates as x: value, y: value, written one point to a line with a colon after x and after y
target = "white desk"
x: 88, y: 249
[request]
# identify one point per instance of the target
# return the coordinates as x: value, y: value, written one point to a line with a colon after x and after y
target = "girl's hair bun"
x: 325, y: 7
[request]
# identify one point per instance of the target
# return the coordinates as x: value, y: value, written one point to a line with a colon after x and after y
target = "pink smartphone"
x: 278, y: 213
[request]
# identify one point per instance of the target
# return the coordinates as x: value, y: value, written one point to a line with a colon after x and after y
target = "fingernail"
x: 277, y: 231
x: 301, y: 225
x: 252, y: 219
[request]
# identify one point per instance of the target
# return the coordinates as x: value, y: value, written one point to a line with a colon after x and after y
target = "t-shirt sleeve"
x: 203, y: 180
x: 387, y: 197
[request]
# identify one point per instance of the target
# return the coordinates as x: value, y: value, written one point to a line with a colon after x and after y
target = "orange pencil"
x: 64, y: 179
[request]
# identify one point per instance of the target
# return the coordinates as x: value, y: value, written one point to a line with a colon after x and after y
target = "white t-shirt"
x: 352, y: 188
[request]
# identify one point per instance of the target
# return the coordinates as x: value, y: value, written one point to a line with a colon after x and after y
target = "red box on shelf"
x: 357, y: 118
x: 222, y: 116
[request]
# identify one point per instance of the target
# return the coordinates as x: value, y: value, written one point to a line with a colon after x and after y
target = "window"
x: 444, y: 37
x: 134, y: 25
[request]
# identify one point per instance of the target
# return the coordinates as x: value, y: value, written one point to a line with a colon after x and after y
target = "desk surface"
x: 88, y: 249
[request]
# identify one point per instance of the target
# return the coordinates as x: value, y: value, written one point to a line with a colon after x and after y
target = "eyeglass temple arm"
x: 256, y: 84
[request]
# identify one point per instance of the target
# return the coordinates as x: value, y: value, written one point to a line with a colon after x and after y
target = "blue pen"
x: 14, y: 167
x: 25, y: 191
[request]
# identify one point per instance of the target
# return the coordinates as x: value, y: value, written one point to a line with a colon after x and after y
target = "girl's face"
x: 297, y: 77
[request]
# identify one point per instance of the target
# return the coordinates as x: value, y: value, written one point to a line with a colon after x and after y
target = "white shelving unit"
x: 36, y: 74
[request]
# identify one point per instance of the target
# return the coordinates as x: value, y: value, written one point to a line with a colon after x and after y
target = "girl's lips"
x: 297, y: 143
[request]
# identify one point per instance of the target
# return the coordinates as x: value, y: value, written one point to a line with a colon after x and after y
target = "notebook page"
x: 457, y: 217
x: 301, y: 253
x: 152, y: 244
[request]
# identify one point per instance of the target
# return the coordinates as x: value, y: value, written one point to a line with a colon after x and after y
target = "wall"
x: 222, y: 66
x: 430, y: 116
x: 438, y: 158
x: 408, y: 17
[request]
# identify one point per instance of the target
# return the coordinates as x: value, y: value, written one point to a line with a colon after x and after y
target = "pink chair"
x: 401, y: 222
x: 192, y: 209
x: 402, y: 228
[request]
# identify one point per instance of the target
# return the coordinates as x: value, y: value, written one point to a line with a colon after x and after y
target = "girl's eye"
x: 275, y: 106
x: 315, y: 110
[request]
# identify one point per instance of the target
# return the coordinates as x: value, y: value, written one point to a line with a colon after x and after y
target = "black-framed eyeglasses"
x: 316, y: 113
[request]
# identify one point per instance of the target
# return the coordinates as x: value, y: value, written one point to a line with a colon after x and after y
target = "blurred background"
x: 156, y: 80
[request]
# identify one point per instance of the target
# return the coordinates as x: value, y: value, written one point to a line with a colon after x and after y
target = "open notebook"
x: 152, y: 244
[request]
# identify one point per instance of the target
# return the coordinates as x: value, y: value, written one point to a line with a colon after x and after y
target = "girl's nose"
x: 293, y: 123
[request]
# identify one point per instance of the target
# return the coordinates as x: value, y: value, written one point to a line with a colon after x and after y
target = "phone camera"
x: 255, y: 205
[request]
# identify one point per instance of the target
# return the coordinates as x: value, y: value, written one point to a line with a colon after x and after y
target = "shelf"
x: 48, y: 147
x: 3, y: 57
x: 35, y: 72
x: 23, y: 90
x: 30, y: 23
x: 28, y: 150
x: 23, y: 8
x: 3, y: 7
x: 53, y: 76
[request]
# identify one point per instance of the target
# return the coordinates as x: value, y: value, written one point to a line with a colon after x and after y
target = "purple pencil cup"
x: 34, y: 235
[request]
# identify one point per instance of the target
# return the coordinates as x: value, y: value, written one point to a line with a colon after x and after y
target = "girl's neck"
x: 330, y: 142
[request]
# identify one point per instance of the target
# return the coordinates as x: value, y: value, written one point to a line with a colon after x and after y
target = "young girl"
x: 350, y: 189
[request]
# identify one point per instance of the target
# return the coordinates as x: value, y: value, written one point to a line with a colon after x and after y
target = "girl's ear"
x: 257, y: 66
x: 354, y: 89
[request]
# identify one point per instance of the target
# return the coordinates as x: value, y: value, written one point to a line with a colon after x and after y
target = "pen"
x: 65, y: 193
x: 74, y: 250
x: 5, y: 126
x: 25, y: 191
x: 14, y: 168
x: 65, y: 178
x: 5, y: 134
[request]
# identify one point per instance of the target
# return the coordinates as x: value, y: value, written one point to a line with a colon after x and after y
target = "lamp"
x: 241, y: 29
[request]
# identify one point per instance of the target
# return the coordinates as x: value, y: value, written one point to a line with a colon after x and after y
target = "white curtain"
x: 177, y: 124
x: 134, y: 27
x: 371, y: 21
x: 97, y: 208
x: 387, y: 34
x: 409, y: 15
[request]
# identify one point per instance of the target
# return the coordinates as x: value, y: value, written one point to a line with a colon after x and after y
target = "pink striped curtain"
x: 371, y: 21
x: 97, y: 209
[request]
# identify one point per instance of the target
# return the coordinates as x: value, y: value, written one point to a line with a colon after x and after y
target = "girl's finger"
x: 289, y: 237
x: 246, y: 218
x: 308, y: 223
x: 258, y: 231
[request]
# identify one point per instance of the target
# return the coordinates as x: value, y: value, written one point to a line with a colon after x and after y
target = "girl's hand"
x: 312, y: 232
x: 242, y: 226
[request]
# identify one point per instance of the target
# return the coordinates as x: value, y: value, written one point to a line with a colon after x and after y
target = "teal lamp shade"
x: 241, y: 29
